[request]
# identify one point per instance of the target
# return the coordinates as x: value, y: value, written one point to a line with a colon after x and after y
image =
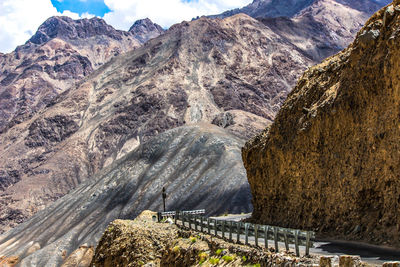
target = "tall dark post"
x: 164, y: 196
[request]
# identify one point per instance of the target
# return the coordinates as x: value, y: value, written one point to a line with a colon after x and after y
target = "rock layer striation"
x: 329, y: 162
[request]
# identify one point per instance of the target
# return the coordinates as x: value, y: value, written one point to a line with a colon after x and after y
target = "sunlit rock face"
x: 329, y: 162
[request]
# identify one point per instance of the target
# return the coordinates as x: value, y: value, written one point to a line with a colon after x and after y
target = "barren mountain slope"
x: 61, y: 52
x: 199, y: 165
x: 233, y: 72
x: 320, y: 28
x: 330, y: 161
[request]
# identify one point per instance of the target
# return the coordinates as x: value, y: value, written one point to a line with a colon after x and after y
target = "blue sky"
x: 20, y: 19
x: 95, y: 7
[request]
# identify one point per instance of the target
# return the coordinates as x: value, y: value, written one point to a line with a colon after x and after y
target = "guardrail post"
x: 190, y: 220
x: 256, y: 234
x: 296, y: 242
x: 196, y: 223
x: 246, y: 232
x: 215, y: 227
x: 176, y: 216
x: 201, y: 224
x: 266, y: 230
x: 223, y: 229
x: 308, y: 235
x: 238, y: 232
x: 208, y: 226
x: 276, y: 239
x: 230, y: 231
x: 286, y: 239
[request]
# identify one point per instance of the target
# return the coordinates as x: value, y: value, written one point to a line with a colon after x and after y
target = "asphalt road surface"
x: 374, y: 255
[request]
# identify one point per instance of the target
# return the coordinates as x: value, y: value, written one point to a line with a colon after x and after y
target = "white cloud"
x: 19, y: 20
x: 164, y: 12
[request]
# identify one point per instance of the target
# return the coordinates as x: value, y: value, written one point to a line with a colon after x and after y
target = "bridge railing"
x: 261, y: 233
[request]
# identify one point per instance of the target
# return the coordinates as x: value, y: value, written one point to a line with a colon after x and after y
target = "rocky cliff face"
x: 329, y: 162
x: 233, y: 72
x: 199, y: 165
x: 319, y: 28
x: 62, y: 52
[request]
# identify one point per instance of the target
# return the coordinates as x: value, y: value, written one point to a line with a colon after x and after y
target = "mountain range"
x: 81, y: 99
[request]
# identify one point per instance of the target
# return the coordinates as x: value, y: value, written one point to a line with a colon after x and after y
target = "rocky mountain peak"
x: 145, y: 29
x: 69, y: 29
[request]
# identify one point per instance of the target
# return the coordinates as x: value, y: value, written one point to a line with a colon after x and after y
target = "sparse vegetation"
x: 227, y: 258
x: 193, y: 239
x: 202, y: 257
x: 213, y: 261
x: 218, y: 252
x: 141, y: 263
x: 244, y: 259
x: 176, y: 249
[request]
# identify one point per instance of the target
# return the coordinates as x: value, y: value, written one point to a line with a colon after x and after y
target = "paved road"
x: 374, y: 255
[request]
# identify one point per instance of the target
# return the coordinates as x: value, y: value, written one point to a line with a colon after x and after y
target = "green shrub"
x: 244, y: 258
x: 176, y: 249
x: 193, y: 239
x: 227, y: 258
x: 202, y: 257
x: 214, y: 261
x: 218, y: 252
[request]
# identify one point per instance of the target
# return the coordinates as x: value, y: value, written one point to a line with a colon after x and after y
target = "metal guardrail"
x: 263, y: 232
x: 164, y: 214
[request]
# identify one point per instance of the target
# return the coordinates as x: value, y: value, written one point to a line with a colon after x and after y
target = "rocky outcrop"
x: 144, y: 242
x: 145, y: 29
x: 190, y: 74
x: 200, y: 167
x: 329, y: 162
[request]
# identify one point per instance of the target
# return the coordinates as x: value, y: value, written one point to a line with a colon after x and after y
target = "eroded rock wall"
x: 330, y: 161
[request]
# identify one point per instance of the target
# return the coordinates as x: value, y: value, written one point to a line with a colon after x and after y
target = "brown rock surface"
x: 329, y: 162
x: 191, y: 74
x: 143, y: 242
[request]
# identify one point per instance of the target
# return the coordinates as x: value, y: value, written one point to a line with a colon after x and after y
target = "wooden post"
x: 208, y: 226
x: 238, y: 232
x: 230, y: 231
x: 223, y: 229
x: 246, y: 232
x: 286, y: 239
x: 196, y: 223
x: 256, y: 234
x: 201, y: 224
x: 266, y: 230
x: 296, y: 242
x: 276, y: 239
x: 308, y: 235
